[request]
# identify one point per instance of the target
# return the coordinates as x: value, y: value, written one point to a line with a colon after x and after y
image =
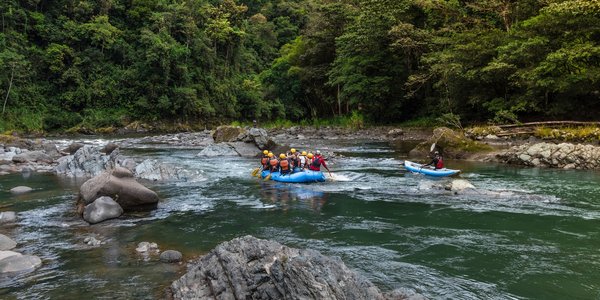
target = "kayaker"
x: 317, y: 161
x: 284, y: 164
x: 437, y: 162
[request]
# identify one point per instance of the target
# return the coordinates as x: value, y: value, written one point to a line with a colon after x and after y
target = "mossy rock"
x: 228, y: 133
x: 452, y: 144
x: 14, y: 141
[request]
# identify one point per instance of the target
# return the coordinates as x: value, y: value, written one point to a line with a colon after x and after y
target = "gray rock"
x: 109, y: 148
x: 145, y: 247
x: 395, y: 133
x: 126, y: 191
x: 245, y: 149
x: 102, y: 209
x: 21, y: 190
x: 459, y: 185
x: 151, y: 169
x: 71, y: 149
x: 8, y: 217
x: 86, y: 162
x: 51, y: 149
x: 6, y: 243
x: 221, y: 149
x: 32, y: 156
x: 250, y: 268
x: 19, y: 263
x: 261, y: 138
x: 6, y: 253
x: 171, y: 256
x: 92, y: 241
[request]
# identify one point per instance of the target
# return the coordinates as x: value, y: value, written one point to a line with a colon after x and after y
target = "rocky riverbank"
x: 251, y: 268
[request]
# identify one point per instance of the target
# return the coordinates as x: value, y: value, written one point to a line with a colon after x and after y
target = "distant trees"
x: 102, y: 63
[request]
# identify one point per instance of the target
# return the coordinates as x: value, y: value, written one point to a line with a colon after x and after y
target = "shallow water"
x: 524, y: 233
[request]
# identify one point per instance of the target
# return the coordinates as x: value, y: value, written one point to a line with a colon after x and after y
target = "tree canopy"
x: 110, y: 62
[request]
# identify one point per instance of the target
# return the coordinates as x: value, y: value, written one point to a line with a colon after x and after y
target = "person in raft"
x: 437, y: 162
x: 317, y: 161
x: 264, y: 160
x: 302, y: 161
x: 273, y: 163
x: 285, y: 166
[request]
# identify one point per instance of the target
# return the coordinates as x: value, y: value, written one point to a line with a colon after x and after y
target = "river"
x: 524, y: 233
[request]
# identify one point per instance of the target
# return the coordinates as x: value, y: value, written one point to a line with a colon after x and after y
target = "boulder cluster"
x: 564, y: 155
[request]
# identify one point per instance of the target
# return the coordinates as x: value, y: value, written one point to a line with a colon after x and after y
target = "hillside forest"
x: 64, y: 63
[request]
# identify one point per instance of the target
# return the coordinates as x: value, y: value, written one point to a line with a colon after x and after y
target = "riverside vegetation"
x: 94, y: 64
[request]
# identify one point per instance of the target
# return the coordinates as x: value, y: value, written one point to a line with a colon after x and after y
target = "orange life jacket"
x: 284, y: 164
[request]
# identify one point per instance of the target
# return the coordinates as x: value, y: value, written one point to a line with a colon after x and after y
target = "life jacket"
x: 316, y: 164
x: 440, y: 163
x: 284, y: 164
x: 273, y: 162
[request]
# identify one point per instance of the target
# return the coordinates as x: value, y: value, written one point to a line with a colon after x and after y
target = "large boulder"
x: 6, y: 243
x: 121, y: 186
x: 228, y: 134
x: 452, y: 144
x: 8, y: 217
x: 19, y: 264
x: 32, y: 156
x: 102, y: 209
x: 222, y: 149
x: 72, y: 148
x: 250, y: 268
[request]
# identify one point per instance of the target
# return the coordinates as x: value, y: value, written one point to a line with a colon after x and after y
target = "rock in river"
x: 171, y: 256
x: 120, y: 185
x: 250, y: 268
x: 21, y: 190
x: 6, y: 243
x: 19, y: 263
x: 222, y: 149
x: 103, y: 208
x: 8, y: 217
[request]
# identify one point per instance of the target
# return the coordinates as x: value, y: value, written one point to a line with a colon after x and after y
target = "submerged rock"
x: 250, y: 268
x: 21, y: 190
x: 119, y: 185
x: 171, y: 256
x: 102, y: 209
x: 6, y: 243
x: 147, y: 247
x: 153, y: 170
x: 19, y: 263
x: 8, y: 217
x: 457, y: 185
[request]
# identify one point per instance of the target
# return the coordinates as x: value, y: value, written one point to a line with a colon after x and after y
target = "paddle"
x: 255, y: 172
x: 430, y: 150
x: 268, y: 177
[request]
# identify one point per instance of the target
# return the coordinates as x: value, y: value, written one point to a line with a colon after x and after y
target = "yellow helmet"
x: 293, y: 150
x: 310, y: 155
x: 270, y: 154
x: 266, y: 152
x: 282, y: 156
x: 304, y: 153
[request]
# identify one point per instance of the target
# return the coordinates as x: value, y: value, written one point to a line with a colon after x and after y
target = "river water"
x: 524, y: 233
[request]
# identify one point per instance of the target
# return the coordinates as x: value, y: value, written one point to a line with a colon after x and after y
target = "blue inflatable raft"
x: 296, y: 177
x: 427, y: 170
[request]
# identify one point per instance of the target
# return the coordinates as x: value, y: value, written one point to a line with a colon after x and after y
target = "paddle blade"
x: 432, y: 147
x: 255, y: 172
x: 268, y: 177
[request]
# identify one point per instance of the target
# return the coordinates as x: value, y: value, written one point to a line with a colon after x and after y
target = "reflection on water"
x: 286, y: 195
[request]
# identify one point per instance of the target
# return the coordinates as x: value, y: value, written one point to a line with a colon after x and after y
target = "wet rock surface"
x: 171, y: 256
x: 102, y: 209
x: 251, y: 268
